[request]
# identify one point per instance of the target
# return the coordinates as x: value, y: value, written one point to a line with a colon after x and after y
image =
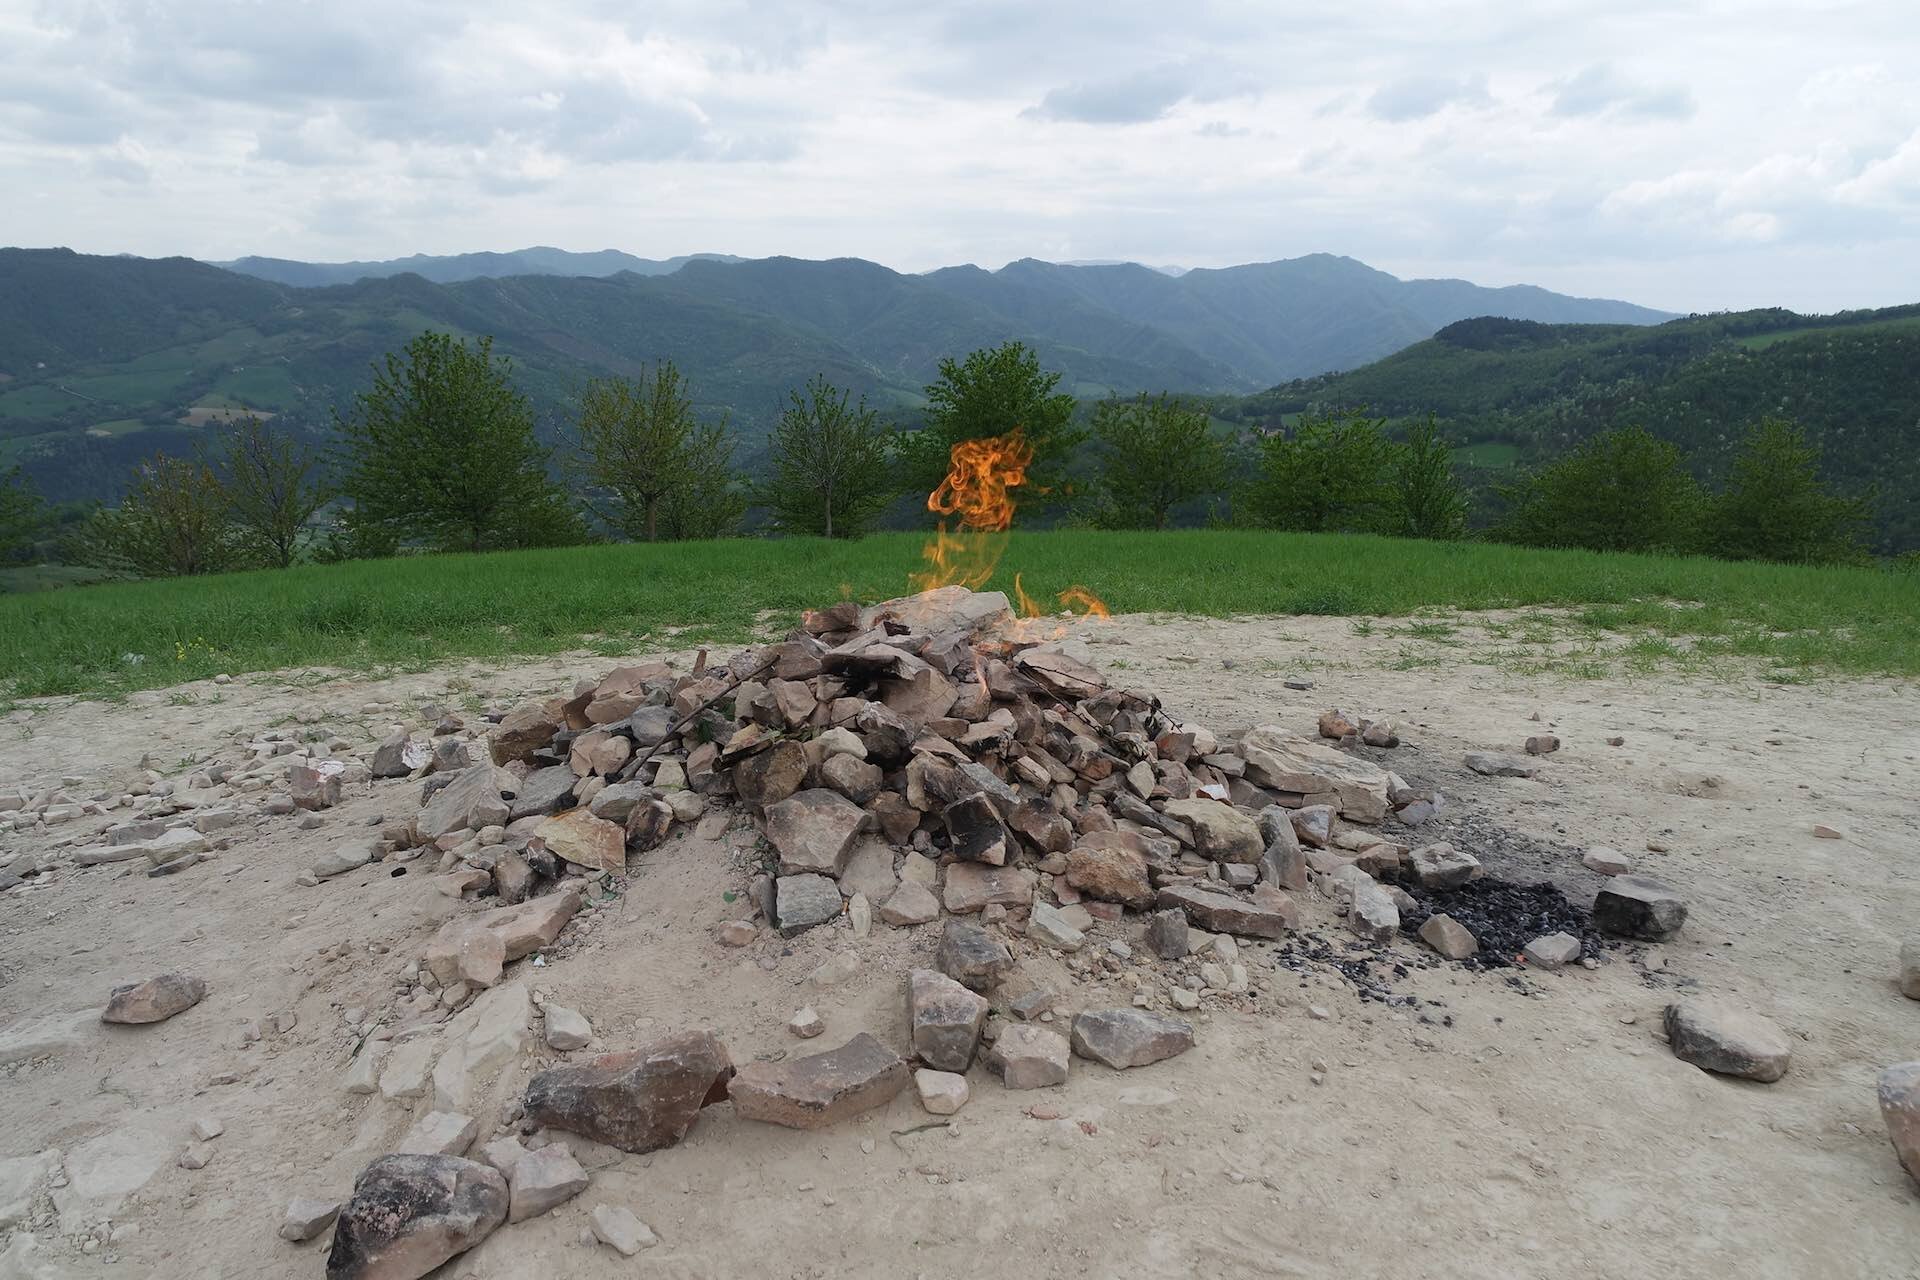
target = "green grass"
x: 1795, y: 622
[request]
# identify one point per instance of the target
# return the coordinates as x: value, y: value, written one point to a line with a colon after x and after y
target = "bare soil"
x: 1509, y: 1123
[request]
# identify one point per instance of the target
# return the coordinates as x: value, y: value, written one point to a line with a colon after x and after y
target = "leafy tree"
x: 1621, y: 491
x: 22, y: 514
x: 1155, y: 453
x: 832, y: 464
x: 642, y: 447
x: 175, y: 520
x: 1331, y: 474
x: 273, y: 491
x: 1777, y: 508
x: 990, y: 393
x: 442, y: 449
x: 1429, y: 500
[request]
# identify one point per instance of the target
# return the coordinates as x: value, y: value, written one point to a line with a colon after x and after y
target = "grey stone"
x: 1373, y: 915
x: 306, y: 1217
x: 803, y: 901
x: 1552, y: 951
x: 1495, y: 765
x: 1910, y: 969
x: 971, y: 956
x: 154, y: 1000
x: 1441, y: 866
x: 1638, y: 907
x: 439, y: 1133
x: 542, y: 1181
x: 616, y: 1227
x: 912, y: 903
x: 1606, y: 862
x: 1220, y: 832
x: 566, y: 1029
x: 410, y: 1213
x: 1167, y: 933
x: 549, y: 790
x: 1448, y: 937
x: 639, y: 1100
x: 1129, y: 1037
x: 1717, y: 1036
x: 1899, y: 1093
x: 1048, y: 926
x: 820, y: 1090
x: 813, y: 831
x: 1029, y: 1056
x: 945, y: 1020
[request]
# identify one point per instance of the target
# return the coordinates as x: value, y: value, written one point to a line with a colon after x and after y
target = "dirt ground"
x: 1545, y: 1131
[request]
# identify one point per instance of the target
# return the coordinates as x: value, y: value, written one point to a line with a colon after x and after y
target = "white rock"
x: 617, y: 1227
x: 439, y: 1133
x: 566, y: 1030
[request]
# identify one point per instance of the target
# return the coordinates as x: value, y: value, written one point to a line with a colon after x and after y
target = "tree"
x: 442, y: 449
x: 175, y: 520
x: 1621, y: 491
x: 642, y: 447
x: 991, y: 393
x: 1154, y: 455
x: 1429, y: 500
x: 273, y: 492
x: 832, y: 464
x: 22, y: 514
x: 1776, y: 507
x: 1330, y: 474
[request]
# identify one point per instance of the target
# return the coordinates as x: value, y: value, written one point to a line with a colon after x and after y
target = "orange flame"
x: 978, y: 488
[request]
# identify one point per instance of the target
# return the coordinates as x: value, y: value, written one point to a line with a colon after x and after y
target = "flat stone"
x: 1167, y: 933
x: 548, y: 790
x: 103, y: 1172
x: 1313, y: 824
x: 579, y: 837
x: 973, y: 886
x: 1495, y: 765
x: 340, y: 862
x: 971, y: 956
x: 522, y: 929
x: 1220, y: 912
x: 306, y: 1217
x: 1048, y: 926
x: 1899, y: 1093
x: 1606, y: 862
x: 1111, y: 872
x: 1283, y: 761
x: 1373, y: 915
x: 803, y: 901
x: 618, y: 1229
x: 816, y: 1091
x: 407, y: 1069
x: 944, y: 1019
x: 1638, y: 907
x: 542, y: 1181
x: 813, y: 831
x: 941, y: 1092
x: 453, y: 806
x: 1029, y: 1056
x: 480, y: 958
x: 566, y: 1029
x: 1122, y: 1038
x: 912, y: 903
x: 439, y: 1133
x: 1552, y: 951
x: 869, y: 870
x: 1441, y: 866
x: 1221, y: 832
x: 1717, y: 1036
x: 639, y: 1100
x: 838, y: 968
x: 154, y: 1000
x: 410, y: 1213
x: 1449, y: 937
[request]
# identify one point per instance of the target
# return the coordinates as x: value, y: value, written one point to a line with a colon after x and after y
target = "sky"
x: 1691, y: 156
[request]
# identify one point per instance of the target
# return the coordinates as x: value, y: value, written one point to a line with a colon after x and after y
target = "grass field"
x: 410, y: 612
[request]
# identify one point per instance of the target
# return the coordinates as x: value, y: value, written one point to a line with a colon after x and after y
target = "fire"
x: 978, y: 488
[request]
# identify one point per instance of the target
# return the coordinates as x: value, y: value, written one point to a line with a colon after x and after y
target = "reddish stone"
x: 816, y: 1091
x: 639, y: 1100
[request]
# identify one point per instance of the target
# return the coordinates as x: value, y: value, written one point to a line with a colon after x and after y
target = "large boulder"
x: 639, y: 1100
x: 410, y: 1213
x: 1283, y: 761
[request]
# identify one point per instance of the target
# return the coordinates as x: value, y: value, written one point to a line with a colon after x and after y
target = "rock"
x: 1339, y: 724
x: 154, y: 1000
x: 1221, y: 912
x: 944, y: 1020
x: 542, y: 1181
x: 1899, y: 1092
x: 1313, y: 824
x: 521, y: 732
x: 1167, y: 933
x: 1448, y: 936
x: 1373, y: 915
x: 813, y: 831
x: 1638, y: 907
x: 806, y: 1023
x: 1184, y: 999
x: 306, y: 1217
x: 860, y: 915
x: 1910, y: 969
x: 1717, y: 1036
x: 1542, y: 744
x: 941, y: 1092
x: 852, y: 777
x: 735, y: 933
x: 479, y: 959
x: 1029, y: 1056
x: 971, y: 956
x: 912, y: 903
x: 1282, y: 761
x: 1821, y: 831
x: 549, y: 790
x: 1221, y: 832
x: 772, y: 776
x: 803, y: 901
x: 840, y: 967
x: 390, y: 760
x: 1044, y: 826
x: 973, y: 886
x: 1380, y: 734
x: 566, y: 1030
x: 503, y: 1154
x: 869, y: 870
x: 1047, y: 926
x: 1553, y: 951
x: 1606, y: 862
x: 976, y: 831
x: 1111, y: 872
x: 522, y: 928
x: 1282, y: 862
x: 579, y: 837
x: 1122, y: 1038
x: 439, y: 1133
x: 312, y: 788
x: 406, y: 1071
x: 620, y: 1230
x: 816, y: 1091
x: 470, y: 792
x: 207, y: 1128
x: 339, y: 862
x: 1441, y: 866
x: 639, y: 1100
x: 1495, y: 765
x: 648, y: 825
x: 408, y: 1214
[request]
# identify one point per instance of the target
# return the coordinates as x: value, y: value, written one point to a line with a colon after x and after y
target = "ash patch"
x: 1503, y: 917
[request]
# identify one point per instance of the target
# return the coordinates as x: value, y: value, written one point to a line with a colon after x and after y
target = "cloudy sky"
x: 1720, y: 153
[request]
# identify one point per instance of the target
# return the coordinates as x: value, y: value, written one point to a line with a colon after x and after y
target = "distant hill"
x: 1516, y: 393
x: 104, y: 360
x: 453, y: 268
